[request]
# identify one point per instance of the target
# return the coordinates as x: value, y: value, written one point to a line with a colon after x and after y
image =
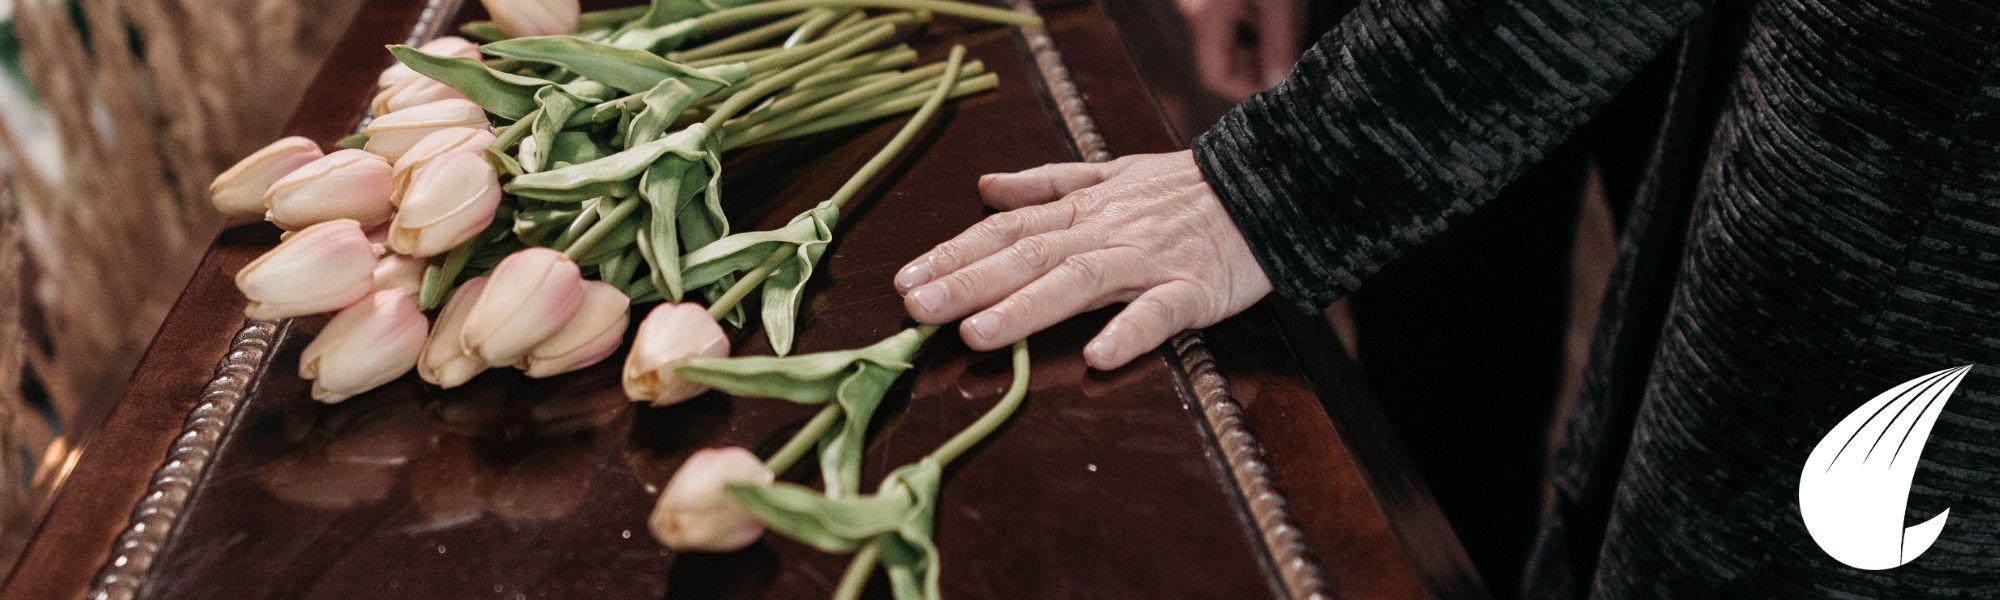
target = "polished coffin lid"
x: 1145, y: 482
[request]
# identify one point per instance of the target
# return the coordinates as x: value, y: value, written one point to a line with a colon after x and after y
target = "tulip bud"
x: 390, y: 135
x: 438, y: 143
x: 366, y: 345
x: 670, y: 335
x: 322, y: 268
x: 528, y: 18
x: 239, y: 191
x: 400, y: 273
x: 529, y: 296
x: 410, y: 92
x: 348, y: 184
x: 696, y: 513
x: 593, y: 334
x: 450, y: 200
x: 445, y: 363
x: 449, y: 45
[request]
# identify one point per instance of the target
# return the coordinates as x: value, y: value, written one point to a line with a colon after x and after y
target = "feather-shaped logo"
x: 1856, y: 484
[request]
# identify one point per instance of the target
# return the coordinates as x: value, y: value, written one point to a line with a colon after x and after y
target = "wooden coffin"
x: 1233, y: 463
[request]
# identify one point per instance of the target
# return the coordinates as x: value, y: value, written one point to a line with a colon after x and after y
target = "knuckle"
x: 1084, y: 269
x: 1034, y: 253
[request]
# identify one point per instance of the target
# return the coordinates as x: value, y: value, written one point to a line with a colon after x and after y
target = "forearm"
x: 1409, y: 115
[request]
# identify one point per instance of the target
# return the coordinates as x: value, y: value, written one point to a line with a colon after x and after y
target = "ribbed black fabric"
x: 1822, y: 222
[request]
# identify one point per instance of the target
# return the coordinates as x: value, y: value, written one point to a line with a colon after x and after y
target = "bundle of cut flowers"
x: 527, y: 191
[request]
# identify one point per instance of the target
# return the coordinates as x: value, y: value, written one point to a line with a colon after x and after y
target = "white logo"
x: 1856, y: 484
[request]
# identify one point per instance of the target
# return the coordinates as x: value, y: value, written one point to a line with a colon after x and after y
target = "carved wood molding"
x: 152, y: 523
x: 1283, y: 541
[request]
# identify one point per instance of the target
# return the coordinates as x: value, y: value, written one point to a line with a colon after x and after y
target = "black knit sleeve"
x: 1412, y: 113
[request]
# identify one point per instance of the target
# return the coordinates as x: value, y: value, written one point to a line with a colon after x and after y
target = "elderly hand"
x: 1143, y: 229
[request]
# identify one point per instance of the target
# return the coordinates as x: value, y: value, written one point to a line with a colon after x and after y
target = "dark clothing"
x: 1820, y: 221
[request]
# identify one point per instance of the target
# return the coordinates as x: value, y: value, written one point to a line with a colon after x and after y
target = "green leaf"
x: 484, y: 31
x: 664, y: 102
x: 854, y: 379
x: 575, y: 148
x: 670, y: 183
x: 557, y: 104
x: 622, y: 68
x: 809, y: 233
x: 902, y: 514
x: 352, y: 142
x: 505, y: 94
x: 612, y: 175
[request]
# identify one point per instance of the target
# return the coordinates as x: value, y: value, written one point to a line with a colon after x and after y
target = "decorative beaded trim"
x: 167, y: 494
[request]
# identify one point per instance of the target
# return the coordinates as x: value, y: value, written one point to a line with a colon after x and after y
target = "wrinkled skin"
x: 1144, y: 230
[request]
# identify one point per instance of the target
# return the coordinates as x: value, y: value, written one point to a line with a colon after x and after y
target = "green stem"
x: 741, y: 289
x: 803, y: 441
x: 741, y: 14
x: 584, y: 219
x: 602, y: 228
x: 862, y: 114
x: 514, y: 132
x: 820, y: 19
x: 965, y: 440
x: 872, y: 91
x: 737, y: 102
x: 894, y: 58
x: 744, y: 56
x: 855, y: 579
x: 909, y: 131
x: 799, y: 97
x: 748, y: 38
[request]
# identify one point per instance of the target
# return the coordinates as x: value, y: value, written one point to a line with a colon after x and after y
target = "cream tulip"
x: 410, y: 92
x: 527, y: 18
x: 529, y: 297
x: 450, y: 200
x: 449, y: 45
x: 696, y: 512
x: 391, y: 135
x: 322, y: 268
x: 239, y: 191
x: 590, y: 336
x: 670, y: 335
x: 439, y: 143
x: 364, y: 346
x: 348, y: 184
x: 445, y: 363
x: 401, y: 273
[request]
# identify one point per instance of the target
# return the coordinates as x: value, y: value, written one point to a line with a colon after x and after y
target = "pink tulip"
x: 439, y: 143
x: 239, y: 191
x: 348, y: 184
x: 390, y: 135
x: 696, y: 513
x: 527, y: 18
x: 670, y: 335
x: 450, y: 200
x: 411, y: 92
x: 364, y: 346
x: 529, y: 296
x: 590, y: 336
x: 445, y: 362
x: 401, y: 273
x: 322, y: 268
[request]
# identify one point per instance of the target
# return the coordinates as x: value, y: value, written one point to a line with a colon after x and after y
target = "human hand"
x: 1144, y: 229
x: 1227, y: 65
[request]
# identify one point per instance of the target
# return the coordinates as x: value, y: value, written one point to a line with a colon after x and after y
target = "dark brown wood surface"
x: 1104, y: 485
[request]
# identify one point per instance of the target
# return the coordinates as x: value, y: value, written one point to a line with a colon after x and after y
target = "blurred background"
x: 115, y: 114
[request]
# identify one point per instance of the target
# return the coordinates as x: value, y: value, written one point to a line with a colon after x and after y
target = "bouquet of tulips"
x: 533, y: 188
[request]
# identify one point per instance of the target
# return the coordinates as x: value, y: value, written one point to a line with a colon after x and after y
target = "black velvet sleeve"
x: 1412, y: 113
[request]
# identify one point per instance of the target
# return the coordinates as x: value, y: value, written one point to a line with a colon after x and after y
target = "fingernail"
x: 916, y: 274
x: 1101, y: 350
x: 984, y: 325
x: 930, y: 298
